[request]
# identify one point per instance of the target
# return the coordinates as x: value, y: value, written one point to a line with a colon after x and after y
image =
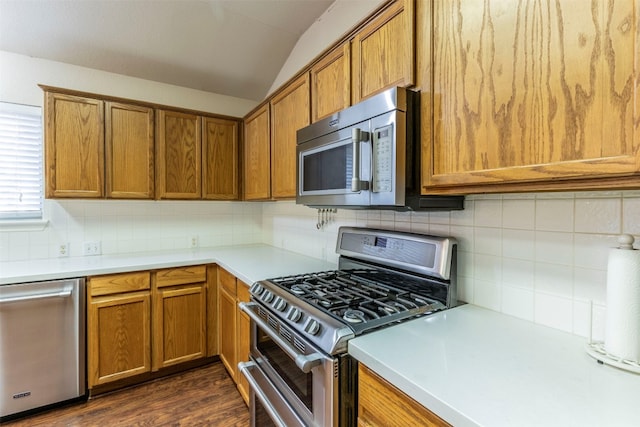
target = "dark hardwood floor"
x: 203, y: 396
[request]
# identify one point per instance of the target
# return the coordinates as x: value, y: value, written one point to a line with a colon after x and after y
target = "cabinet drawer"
x: 119, y: 283
x: 227, y: 281
x: 243, y: 292
x: 181, y: 275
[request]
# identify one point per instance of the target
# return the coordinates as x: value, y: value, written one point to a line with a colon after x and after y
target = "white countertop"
x: 248, y: 263
x: 476, y: 367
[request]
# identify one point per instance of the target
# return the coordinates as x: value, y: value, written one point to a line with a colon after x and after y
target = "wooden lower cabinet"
x: 139, y: 323
x: 381, y: 404
x: 118, y: 327
x: 234, y: 327
x: 227, y: 312
x: 243, y: 331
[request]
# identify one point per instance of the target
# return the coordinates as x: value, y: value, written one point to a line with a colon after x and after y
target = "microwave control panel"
x: 383, y: 163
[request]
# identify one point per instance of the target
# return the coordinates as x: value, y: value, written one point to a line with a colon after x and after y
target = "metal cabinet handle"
x: 358, y: 136
x: 303, y: 361
x: 59, y: 294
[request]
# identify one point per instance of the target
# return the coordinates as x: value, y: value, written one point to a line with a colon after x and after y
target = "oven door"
x: 291, y: 381
x: 329, y: 165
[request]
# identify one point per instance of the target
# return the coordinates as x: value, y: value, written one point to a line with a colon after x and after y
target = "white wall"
x: 20, y: 76
x: 339, y: 18
x: 540, y: 257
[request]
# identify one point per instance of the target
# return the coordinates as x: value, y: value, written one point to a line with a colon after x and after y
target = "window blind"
x: 21, y: 170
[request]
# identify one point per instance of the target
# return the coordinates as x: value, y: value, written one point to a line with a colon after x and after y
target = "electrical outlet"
x: 193, y: 242
x: 63, y: 250
x: 92, y: 248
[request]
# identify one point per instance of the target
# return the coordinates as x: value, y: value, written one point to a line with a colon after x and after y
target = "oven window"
x: 329, y: 169
x: 299, y: 382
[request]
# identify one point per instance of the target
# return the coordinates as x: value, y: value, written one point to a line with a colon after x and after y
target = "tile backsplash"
x: 134, y: 226
x: 540, y: 257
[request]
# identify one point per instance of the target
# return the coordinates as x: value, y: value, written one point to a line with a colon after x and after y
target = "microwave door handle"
x: 358, y: 136
x: 305, y: 362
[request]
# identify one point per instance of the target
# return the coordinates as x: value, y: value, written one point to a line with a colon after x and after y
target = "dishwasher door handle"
x: 59, y: 294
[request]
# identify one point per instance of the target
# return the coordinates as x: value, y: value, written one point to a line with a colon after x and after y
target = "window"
x: 21, y: 172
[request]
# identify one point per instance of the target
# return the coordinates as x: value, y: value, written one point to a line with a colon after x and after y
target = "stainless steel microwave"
x: 367, y: 157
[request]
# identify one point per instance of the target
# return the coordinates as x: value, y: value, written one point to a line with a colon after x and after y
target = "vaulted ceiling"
x: 230, y: 47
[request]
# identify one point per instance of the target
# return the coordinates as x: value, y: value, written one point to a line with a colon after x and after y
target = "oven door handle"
x: 305, y: 362
x: 245, y: 369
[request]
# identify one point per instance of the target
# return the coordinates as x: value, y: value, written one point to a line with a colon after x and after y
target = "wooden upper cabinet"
x: 534, y: 101
x: 383, y: 53
x: 257, y: 166
x: 178, y: 155
x: 219, y: 159
x: 289, y: 112
x: 331, y: 83
x: 74, y: 154
x: 129, y: 150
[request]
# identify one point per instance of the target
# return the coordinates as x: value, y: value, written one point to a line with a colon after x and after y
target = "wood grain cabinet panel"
x: 289, y: 112
x: 179, y: 153
x: 213, y: 329
x: 331, y: 83
x: 235, y: 327
x: 74, y: 153
x: 257, y: 155
x: 380, y: 404
x: 129, y: 151
x: 219, y: 159
x: 532, y: 101
x: 243, y: 330
x: 228, y: 324
x: 179, y: 324
x: 118, y: 327
x: 383, y: 52
x: 180, y: 275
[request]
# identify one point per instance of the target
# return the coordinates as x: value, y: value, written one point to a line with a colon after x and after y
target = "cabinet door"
x: 219, y: 159
x: 289, y: 112
x: 179, y: 322
x: 118, y: 337
x: 331, y: 83
x: 178, y: 171
x: 228, y: 312
x: 257, y: 155
x: 74, y: 146
x: 383, y: 51
x: 534, y: 101
x: 129, y: 150
x: 381, y: 404
x: 244, y: 338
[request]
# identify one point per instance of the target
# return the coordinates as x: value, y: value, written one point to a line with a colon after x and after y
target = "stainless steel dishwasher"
x: 42, y: 345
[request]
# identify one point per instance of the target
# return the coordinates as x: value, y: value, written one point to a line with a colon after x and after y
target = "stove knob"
x: 312, y: 327
x: 280, y: 304
x: 257, y: 289
x: 267, y: 296
x: 294, y: 315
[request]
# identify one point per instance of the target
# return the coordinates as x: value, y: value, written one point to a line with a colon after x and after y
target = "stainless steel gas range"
x: 300, y: 372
